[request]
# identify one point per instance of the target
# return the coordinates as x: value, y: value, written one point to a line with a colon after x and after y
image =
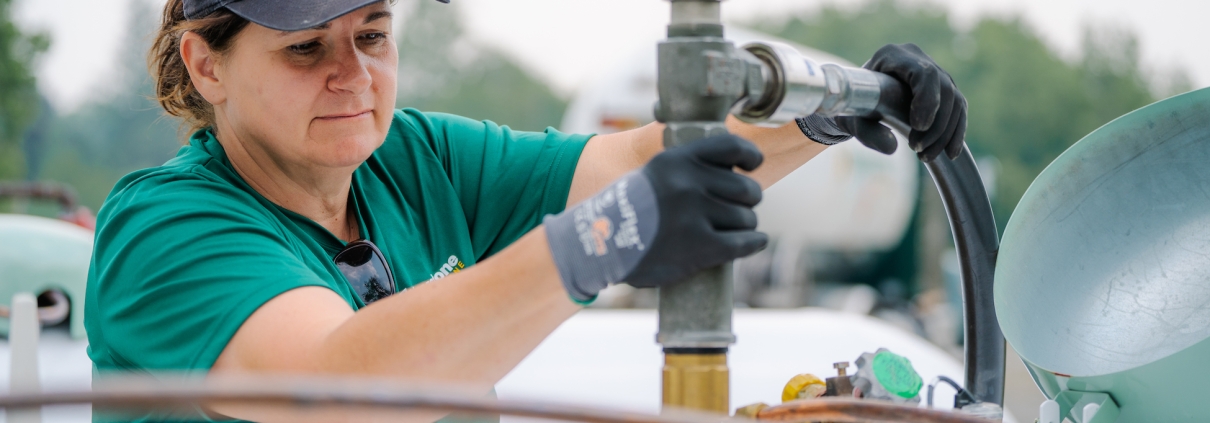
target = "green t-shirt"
x: 187, y: 251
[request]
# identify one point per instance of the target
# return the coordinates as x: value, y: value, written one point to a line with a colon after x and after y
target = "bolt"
x: 840, y: 367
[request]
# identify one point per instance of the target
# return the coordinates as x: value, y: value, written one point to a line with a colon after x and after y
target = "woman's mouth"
x: 344, y: 116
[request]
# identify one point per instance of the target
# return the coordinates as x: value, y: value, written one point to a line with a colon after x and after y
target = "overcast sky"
x: 567, y: 42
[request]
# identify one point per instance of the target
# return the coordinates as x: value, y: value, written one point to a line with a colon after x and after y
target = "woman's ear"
x: 202, y: 64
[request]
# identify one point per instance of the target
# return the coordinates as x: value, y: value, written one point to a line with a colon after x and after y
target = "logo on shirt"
x: 452, y: 265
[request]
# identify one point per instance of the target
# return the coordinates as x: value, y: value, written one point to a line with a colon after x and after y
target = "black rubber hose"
x: 977, y: 242
x: 961, y: 399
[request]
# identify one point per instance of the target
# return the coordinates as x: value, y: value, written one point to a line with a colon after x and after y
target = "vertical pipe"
x: 23, y: 346
x: 695, y: 314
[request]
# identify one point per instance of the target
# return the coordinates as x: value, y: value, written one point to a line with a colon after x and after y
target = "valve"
x: 803, y: 386
x: 884, y: 375
x: 842, y: 384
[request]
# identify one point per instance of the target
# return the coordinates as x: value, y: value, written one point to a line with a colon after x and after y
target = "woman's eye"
x: 374, y: 36
x: 304, y: 48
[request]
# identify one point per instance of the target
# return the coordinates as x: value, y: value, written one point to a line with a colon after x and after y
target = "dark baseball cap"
x: 282, y: 15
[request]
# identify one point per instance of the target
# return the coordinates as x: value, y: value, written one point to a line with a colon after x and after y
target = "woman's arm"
x: 607, y: 157
x: 470, y: 328
x: 474, y: 326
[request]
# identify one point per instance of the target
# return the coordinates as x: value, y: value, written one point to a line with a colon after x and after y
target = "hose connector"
x: 794, y: 86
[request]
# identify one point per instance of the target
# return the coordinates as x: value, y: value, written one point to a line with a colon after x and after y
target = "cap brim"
x: 295, y: 15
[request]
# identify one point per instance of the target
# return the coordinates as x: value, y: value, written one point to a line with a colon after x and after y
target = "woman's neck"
x: 321, y: 194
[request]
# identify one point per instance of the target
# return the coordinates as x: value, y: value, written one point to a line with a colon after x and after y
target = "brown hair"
x: 173, y: 88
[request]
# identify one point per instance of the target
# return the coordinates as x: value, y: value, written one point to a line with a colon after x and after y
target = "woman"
x: 273, y: 241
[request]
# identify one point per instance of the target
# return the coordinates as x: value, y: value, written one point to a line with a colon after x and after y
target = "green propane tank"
x: 1103, y: 276
x: 38, y: 255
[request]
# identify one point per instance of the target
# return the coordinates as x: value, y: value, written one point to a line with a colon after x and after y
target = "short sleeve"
x: 506, y: 180
x: 189, y: 254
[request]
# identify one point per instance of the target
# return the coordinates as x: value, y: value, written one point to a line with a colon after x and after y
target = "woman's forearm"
x: 785, y: 149
x: 470, y: 328
x: 608, y: 157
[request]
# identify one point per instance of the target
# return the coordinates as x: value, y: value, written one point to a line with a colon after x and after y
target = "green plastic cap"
x: 897, y: 375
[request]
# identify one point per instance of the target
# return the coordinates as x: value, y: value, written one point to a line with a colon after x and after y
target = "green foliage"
x: 19, y: 102
x: 1027, y: 104
x: 855, y: 35
x: 441, y: 71
x: 121, y: 129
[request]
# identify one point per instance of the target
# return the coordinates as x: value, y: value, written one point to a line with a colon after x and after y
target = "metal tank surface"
x: 1103, y: 277
x: 39, y: 254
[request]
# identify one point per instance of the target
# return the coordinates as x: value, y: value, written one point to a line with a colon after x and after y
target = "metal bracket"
x: 1079, y: 407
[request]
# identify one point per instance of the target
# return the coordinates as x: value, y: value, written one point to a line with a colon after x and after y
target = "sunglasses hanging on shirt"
x: 365, y: 268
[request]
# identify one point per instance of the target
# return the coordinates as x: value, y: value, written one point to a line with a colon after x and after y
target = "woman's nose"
x: 350, y: 71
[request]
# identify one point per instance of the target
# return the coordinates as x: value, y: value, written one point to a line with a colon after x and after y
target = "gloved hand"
x: 683, y: 212
x: 937, y: 115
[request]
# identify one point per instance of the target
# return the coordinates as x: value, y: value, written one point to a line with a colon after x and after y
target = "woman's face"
x: 317, y: 97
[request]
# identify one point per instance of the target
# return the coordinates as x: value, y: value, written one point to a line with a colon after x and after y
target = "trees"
x: 1027, y: 104
x: 19, y: 100
x: 441, y: 70
x: 120, y: 128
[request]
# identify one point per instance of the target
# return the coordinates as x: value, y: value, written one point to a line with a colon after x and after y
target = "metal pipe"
x: 168, y: 395
x: 23, y: 335
x: 700, y: 79
x: 697, y: 381
x: 696, y: 12
x: 854, y: 410
x: 171, y: 395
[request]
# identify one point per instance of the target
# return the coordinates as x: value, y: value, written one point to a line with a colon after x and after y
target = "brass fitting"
x: 697, y: 381
x: 841, y: 385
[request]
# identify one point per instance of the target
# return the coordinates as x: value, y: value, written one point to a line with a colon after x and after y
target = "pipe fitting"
x: 696, y: 12
x: 794, y: 86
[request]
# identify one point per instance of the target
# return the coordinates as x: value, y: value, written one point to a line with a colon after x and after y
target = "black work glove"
x: 683, y: 212
x: 937, y: 115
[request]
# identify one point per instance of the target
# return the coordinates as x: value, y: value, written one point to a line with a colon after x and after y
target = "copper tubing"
x: 854, y: 411
x: 180, y: 393
x: 168, y: 394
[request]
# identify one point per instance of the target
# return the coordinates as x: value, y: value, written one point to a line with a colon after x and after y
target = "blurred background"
x: 75, y: 110
x: 76, y: 113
